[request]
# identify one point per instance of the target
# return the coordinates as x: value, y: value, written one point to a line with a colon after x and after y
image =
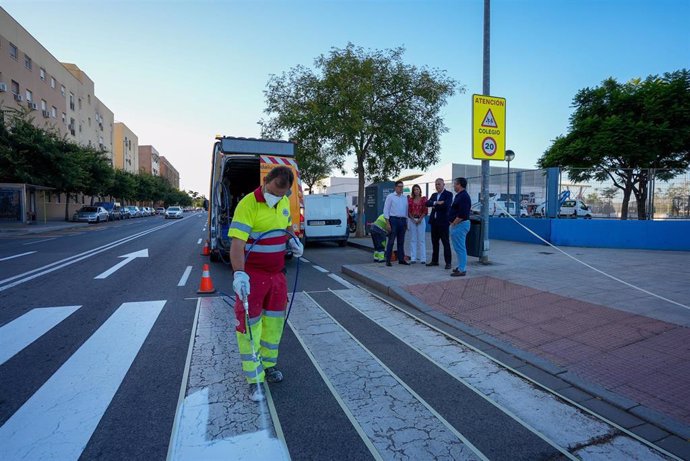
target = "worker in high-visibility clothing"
x: 261, y: 278
x: 379, y: 237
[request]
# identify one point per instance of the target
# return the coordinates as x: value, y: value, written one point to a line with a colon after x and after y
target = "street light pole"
x: 510, y: 155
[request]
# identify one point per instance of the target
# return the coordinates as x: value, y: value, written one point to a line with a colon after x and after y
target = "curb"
x: 30, y: 229
x: 615, y: 407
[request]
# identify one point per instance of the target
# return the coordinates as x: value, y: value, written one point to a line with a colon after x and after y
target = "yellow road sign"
x: 488, y: 127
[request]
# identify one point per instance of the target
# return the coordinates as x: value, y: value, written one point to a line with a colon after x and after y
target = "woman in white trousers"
x: 416, y: 225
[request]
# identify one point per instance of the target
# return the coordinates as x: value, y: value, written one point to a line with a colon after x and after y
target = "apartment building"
x: 125, y: 148
x: 149, y: 160
x: 60, y: 96
x: 169, y: 172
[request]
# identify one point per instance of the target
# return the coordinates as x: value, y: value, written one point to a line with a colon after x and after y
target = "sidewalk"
x: 18, y: 228
x: 577, y: 326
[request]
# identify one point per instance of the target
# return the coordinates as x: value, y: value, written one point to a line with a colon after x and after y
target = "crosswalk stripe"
x: 59, y: 419
x: 26, y: 329
x: 357, y: 372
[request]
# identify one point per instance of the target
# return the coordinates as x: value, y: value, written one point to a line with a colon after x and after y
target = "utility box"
x: 374, y: 198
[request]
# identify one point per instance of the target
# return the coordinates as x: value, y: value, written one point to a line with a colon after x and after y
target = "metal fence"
x: 666, y: 198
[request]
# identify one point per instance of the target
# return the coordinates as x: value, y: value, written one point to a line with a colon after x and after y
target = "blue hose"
x: 294, y: 288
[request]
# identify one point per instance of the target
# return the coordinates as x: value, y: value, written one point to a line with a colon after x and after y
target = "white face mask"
x: 271, y: 200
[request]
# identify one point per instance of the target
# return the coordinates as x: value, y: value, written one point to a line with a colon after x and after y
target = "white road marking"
x: 210, y: 421
x: 185, y: 276
x: 128, y: 259
x: 24, y: 330
x: 342, y: 281
x: 304, y: 260
x: 320, y: 269
x: 198, y: 242
x: 17, y: 256
x: 39, y: 241
x: 48, y: 268
x: 59, y: 419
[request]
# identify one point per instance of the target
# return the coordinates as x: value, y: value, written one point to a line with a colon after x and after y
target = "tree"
x: 627, y: 132
x: 366, y: 103
x: 313, y: 160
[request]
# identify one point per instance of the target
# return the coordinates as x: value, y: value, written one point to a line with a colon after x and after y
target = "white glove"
x: 240, y: 284
x: 296, y: 247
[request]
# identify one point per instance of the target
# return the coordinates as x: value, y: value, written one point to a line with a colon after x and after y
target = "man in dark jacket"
x: 459, y: 219
x: 438, y: 220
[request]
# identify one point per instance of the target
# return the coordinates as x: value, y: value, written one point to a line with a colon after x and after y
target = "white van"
x: 325, y: 218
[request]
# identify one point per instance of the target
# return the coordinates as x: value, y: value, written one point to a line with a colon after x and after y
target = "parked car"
x: 173, y: 212
x: 145, y: 211
x: 326, y: 218
x: 160, y: 210
x: 92, y: 214
x: 113, y: 208
x: 134, y: 211
x: 126, y: 214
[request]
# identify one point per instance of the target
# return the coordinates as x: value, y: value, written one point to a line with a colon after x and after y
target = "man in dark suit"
x: 439, y: 203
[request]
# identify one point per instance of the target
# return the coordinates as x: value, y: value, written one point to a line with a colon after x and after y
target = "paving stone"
x: 575, y: 394
x: 608, y: 411
x: 649, y: 432
x: 543, y: 378
x: 676, y: 445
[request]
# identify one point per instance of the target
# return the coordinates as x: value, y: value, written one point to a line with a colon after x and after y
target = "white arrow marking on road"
x: 128, y: 258
x: 16, y: 256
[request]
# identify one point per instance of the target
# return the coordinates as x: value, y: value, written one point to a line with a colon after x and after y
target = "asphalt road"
x: 101, y: 326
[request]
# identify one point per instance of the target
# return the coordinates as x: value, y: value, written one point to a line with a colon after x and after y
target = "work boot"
x: 256, y: 393
x: 273, y: 375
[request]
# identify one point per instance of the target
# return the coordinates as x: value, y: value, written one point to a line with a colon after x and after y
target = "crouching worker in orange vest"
x: 260, y: 279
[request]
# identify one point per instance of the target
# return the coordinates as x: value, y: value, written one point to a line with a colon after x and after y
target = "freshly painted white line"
x: 185, y: 276
x: 48, y: 268
x: 128, y: 259
x: 342, y: 281
x: 185, y: 378
x: 59, y: 419
x: 320, y: 269
x: 39, y: 241
x: 198, y: 242
x: 17, y: 256
x: 304, y: 260
x: 26, y: 329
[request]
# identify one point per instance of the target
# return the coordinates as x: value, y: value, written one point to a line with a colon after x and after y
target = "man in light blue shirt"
x: 395, y: 212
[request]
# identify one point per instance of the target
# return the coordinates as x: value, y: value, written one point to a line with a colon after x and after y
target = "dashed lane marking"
x: 17, y: 256
x: 185, y: 276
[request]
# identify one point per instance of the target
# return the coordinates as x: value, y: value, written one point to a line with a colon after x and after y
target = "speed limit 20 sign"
x: 488, y: 127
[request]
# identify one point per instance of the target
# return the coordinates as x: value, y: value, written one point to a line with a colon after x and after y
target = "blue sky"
x: 179, y: 72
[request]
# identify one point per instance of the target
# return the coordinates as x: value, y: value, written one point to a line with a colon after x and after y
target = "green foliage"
x: 31, y: 155
x: 363, y: 103
x: 625, y: 132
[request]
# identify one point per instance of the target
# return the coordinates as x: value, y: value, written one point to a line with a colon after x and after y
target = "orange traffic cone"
x: 205, y: 251
x: 206, y: 283
x: 394, y: 255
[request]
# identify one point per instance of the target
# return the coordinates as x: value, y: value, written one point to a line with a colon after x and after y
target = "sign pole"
x: 484, y: 258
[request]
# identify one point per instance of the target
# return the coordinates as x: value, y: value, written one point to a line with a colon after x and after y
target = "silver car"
x: 134, y: 211
x: 92, y: 214
x: 173, y: 212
